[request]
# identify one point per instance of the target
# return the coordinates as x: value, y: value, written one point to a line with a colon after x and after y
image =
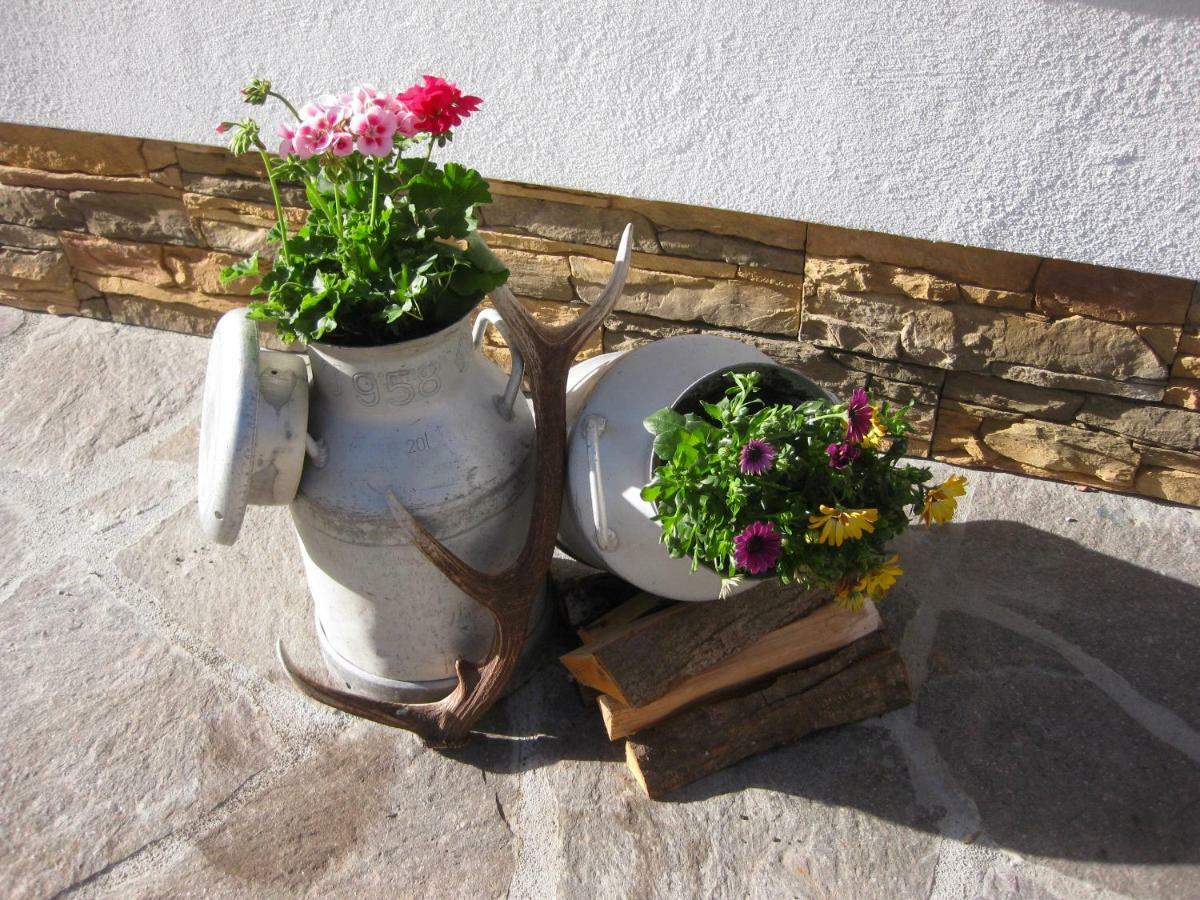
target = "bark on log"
x: 828, y: 629
x: 650, y: 656
x: 865, y: 679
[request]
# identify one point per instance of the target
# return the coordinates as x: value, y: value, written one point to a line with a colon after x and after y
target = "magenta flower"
x: 438, y: 105
x: 858, y: 416
x: 841, y: 455
x: 374, y: 129
x: 757, y: 548
x: 757, y: 457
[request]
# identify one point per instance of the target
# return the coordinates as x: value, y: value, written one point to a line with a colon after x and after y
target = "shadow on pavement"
x: 1060, y: 703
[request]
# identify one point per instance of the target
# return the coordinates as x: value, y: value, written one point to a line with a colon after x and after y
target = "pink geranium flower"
x: 342, y: 144
x: 757, y: 548
x: 757, y: 457
x: 316, y: 132
x: 438, y: 105
x: 858, y: 416
x: 406, y: 122
x: 374, y: 129
x: 367, y: 97
x: 286, y: 137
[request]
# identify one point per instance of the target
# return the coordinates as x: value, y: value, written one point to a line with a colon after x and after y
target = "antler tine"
x: 465, y: 577
x: 578, y: 331
x: 428, y: 720
x: 510, y: 307
x: 575, y: 334
x: 526, y: 334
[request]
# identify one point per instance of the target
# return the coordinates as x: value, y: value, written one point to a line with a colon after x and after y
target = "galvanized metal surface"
x: 421, y: 419
x: 605, y: 522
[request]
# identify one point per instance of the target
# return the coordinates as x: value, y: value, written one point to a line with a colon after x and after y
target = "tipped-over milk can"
x: 610, y: 458
x: 428, y: 420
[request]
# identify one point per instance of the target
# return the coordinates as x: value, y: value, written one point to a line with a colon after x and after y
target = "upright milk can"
x: 428, y: 420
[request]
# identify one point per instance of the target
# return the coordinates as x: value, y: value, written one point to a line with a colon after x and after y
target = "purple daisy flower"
x: 757, y: 548
x: 841, y: 455
x: 858, y: 416
x: 757, y: 457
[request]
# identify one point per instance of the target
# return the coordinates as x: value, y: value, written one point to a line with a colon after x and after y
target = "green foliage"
x: 243, y: 268
x: 378, y: 259
x: 704, y: 500
x: 389, y: 251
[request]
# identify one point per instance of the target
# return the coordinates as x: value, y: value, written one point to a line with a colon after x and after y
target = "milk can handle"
x: 593, y: 427
x: 506, y: 401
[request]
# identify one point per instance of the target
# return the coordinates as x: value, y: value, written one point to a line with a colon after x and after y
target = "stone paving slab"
x: 235, y: 599
x: 73, y: 380
x: 150, y: 748
x: 364, y: 815
x: 112, y: 738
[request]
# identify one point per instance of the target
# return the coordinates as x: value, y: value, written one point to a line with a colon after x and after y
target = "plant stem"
x: 283, y: 248
x: 428, y: 154
x: 374, y: 191
x: 284, y: 100
x: 337, y: 205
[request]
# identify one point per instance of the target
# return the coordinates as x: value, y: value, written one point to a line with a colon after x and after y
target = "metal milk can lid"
x: 253, y: 429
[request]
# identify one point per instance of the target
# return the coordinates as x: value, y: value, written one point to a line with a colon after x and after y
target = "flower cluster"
x: 809, y: 492
x: 381, y: 256
x: 437, y: 106
x: 368, y: 120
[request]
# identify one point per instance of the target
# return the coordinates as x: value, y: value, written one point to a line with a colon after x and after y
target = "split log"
x: 865, y: 679
x: 828, y: 629
x: 635, y: 607
x: 615, y: 620
x: 652, y: 655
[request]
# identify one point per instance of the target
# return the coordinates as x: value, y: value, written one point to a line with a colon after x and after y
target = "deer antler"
x: 508, y: 594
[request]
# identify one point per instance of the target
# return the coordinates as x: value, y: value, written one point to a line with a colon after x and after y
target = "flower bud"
x: 255, y: 93
x: 245, y: 137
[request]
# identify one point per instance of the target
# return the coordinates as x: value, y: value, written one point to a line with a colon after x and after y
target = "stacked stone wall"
x: 1046, y: 367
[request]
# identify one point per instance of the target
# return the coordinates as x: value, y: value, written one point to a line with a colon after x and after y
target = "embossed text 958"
x: 398, y: 387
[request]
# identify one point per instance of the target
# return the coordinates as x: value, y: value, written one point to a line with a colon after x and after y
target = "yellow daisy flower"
x: 874, y: 437
x: 847, y: 594
x: 940, y: 502
x: 838, y: 525
x: 879, y: 580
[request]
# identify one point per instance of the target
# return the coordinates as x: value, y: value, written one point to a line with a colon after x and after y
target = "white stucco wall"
x: 1069, y: 129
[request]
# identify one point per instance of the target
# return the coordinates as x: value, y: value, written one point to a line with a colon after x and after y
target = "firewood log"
x: 828, y: 629
x: 650, y: 656
x: 865, y: 679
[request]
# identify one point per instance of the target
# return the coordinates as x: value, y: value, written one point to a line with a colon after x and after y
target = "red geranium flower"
x: 437, y: 105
